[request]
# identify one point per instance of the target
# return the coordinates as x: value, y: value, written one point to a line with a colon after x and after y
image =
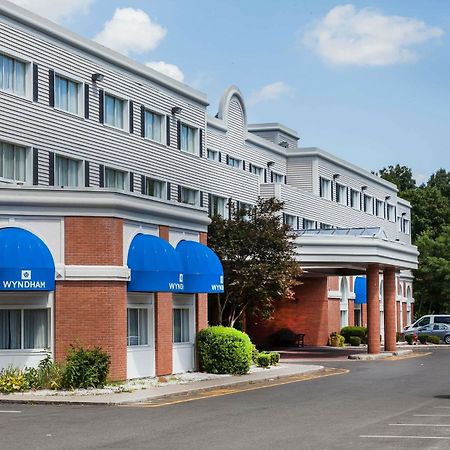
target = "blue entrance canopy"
x: 155, y: 265
x: 360, y: 291
x: 202, y: 269
x: 26, y: 263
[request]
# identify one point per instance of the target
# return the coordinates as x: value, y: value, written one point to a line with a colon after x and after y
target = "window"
x: 277, y: 178
x: 379, y: 208
x: 309, y: 224
x: 67, y: 94
x: 12, y: 75
x: 325, y: 188
x: 155, y: 188
x: 217, y: 206
x: 137, y: 326
x: 406, y: 226
x: 154, y: 126
x: 115, y: 179
x: 257, y: 171
x: 66, y: 171
x: 234, y: 162
x: 24, y: 329
x: 341, y: 194
x: 391, y: 213
x: 188, y: 138
x: 181, y: 325
x: 114, y: 111
x: 12, y: 162
x: 189, y: 196
x: 325, y: 226
x: 368, y: 204
x: 355, y: 199
x: 290, y: 220
x: 213, y: 155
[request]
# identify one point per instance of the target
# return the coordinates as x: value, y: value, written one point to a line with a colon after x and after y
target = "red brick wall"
x: 307, y: 314
x: 203, y: 238
x: 333, y: 283
x: 405, y: 315
x: 163, y: 333
x: 397, y: 315
x: 334, y: 315
x: 93, y: 241
x: 201, y: 312
x: 364, y: 315
x: 351, y: 313
x: 93, y: 313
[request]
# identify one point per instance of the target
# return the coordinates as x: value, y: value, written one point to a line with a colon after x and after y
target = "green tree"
x: 399, y: 175
x: 441, y: 180
x: 258, y: 257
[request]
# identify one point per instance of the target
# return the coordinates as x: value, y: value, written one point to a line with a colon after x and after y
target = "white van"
x: 426, y: 320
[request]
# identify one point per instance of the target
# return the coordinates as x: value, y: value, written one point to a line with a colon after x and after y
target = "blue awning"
x: 202, y: 269
x: 360, y: 291
x: 26, y: 263
x: 155, y: 265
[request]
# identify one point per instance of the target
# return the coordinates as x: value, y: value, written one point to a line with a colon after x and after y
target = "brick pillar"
x: 412, y: 314
x: 351, y: 313
x: 397, y: 315
x: 373, y: 309
x: 163, y: 333
x: 390, y: 344
x: 201, y: 312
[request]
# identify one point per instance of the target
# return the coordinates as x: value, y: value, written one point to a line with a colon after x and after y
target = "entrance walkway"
x: 293, y: 355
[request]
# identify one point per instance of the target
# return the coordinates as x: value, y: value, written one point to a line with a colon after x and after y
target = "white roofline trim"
x: 273, y: 126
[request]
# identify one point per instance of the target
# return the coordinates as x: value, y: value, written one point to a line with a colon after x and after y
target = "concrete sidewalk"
x: 144, y: 395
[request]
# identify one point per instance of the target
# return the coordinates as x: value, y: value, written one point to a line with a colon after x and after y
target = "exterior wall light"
x: 176, y: 110
x: 283, y: 144
x: 97, y: 77
x: 336, y: 176
x: 270, y: 163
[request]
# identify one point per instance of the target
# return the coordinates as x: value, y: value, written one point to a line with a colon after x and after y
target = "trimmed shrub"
x: 13, y: 380
x: 355, y: 341
x: 284, y: 337
x: 224, y: 350
x: 423, y: 338
x: 86, y: 368
x: 255, y: 354
x: 434, y: 340
x: 347, y: 332
x: 264, y: 359
x: 274, y: 358
x: 409, y: 338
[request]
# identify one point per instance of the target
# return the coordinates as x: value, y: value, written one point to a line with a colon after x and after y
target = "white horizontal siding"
x: 300, y: 173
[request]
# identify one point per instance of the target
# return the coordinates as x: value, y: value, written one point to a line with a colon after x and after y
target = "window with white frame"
x: 189, y: 196
x: 309, y: 224
x: 341, y: 194
x: 325, y: 188
x: 155, y: 188
x: 67, y: 95
x: 391, y: 212
x: 13, y: 75
x: 137, y: 326
x: 115, y: 111
x: 399, y: 223
x: 181, y: 319
x: 115, y: 179
x: 67, y: 171
x: 355, y: 199
x: 154, y: 126
x: 379, y: 208
x: 257, y: 171
x: 277, y: 178
x: 406, y: 226
x: 368, y: 204
x: 217, y: 206
x: 12, y: 162
x: 188, y: 136
x: 234, y: 162
x: 212, y: 155
x: 24, y: 329
x: 290, y: 220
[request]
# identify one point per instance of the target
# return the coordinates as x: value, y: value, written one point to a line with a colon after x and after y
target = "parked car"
x: 427, y: 320
x: 433, y: 329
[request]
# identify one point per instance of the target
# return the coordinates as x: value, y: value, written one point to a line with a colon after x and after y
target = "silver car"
x: 441, y: 330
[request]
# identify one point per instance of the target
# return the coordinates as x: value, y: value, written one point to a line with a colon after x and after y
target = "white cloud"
x: 171, y: 70
x: 56, y: 10
x: 366, y: 37
x: 131, y: 30
x: 271, y: 91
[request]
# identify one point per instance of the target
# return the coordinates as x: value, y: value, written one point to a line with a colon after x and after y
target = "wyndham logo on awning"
x: 25, y: 282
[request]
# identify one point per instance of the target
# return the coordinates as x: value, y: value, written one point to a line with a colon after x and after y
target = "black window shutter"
x: 168, y: 191
x: 271, y: 176
x: 230, y: 209
x: 320, y: 186
x: 348, y: 193
x: 284, y: 218
x: 86, y: 173
x: 220, y: 156
x: 298, y: 223
x: 373, y: 205
x: 86, y: 101
x: 249, y: 167
x: 101, y: 101
x: 304, y: 224
x: 35, y: 82
x: 265, y: 175
x: 332, y: 188
x: 200, y: 143
x: 51, y: 169
x: 228, y: 159
x: 131, y: 182
x: 142, y: 121
x: 143, y: 184
x: 131, y: 127
x: 243, y: 165
x: 361, y: 201
x: 101, y: 176
x: 35, y: 166
x: 201, y: 199
x: 178, y: 135
x: 179, y: 193
x: 237, y: 204
x: 285, y: 179
x: 51, y: 88
x: 210, y: 211
x: 168, y: 131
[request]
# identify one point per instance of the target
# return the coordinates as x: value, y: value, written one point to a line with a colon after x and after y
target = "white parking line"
x: 11, y: 412
x: 402, y: 437
x: 431, y: 415
x: 418, y: 425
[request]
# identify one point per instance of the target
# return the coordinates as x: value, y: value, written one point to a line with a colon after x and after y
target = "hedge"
x: 347, y: 332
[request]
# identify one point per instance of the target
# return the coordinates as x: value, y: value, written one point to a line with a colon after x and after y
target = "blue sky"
x: 367, y: 81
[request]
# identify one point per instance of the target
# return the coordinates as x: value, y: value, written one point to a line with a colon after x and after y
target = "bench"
x: 300, y: 339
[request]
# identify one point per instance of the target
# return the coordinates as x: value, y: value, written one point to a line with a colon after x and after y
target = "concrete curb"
x: 383, y: 355
x: 170, y: 391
